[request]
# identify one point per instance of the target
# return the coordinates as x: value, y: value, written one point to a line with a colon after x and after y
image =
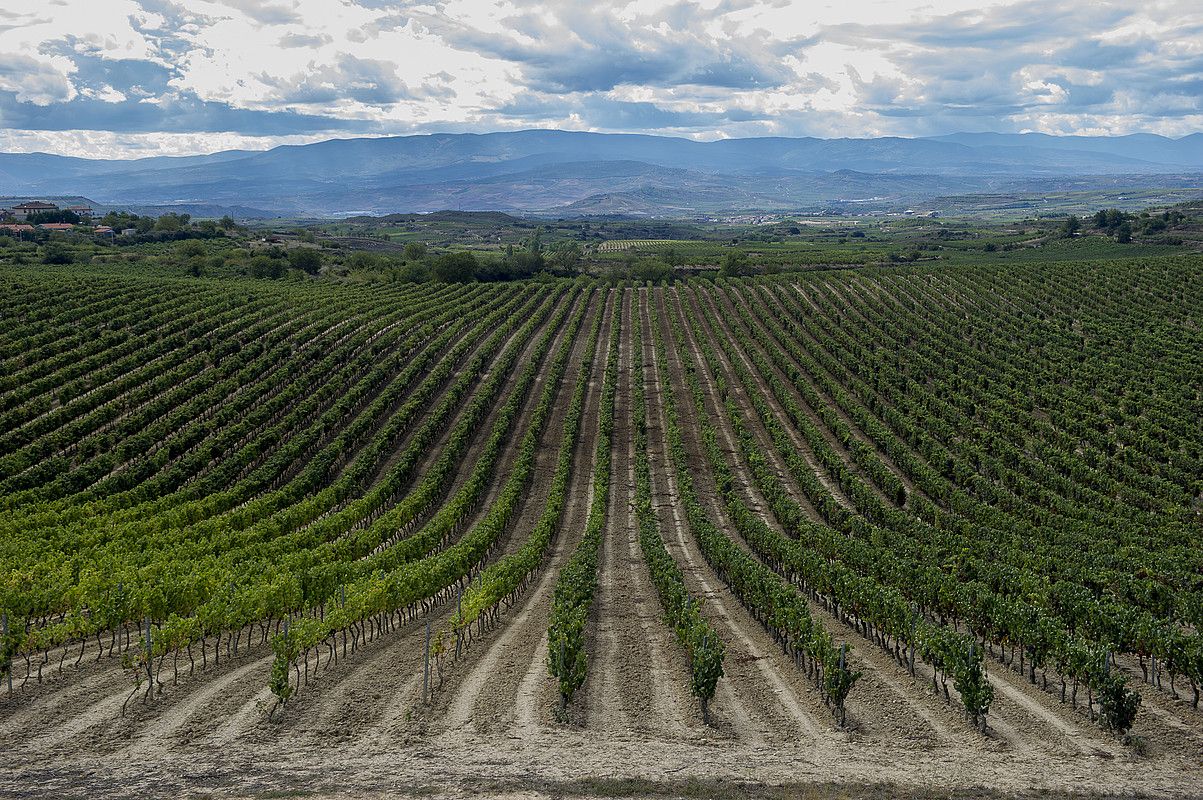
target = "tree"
x: 1123, y: 233
x: 565, y: 257
x: 1071, y: 225
x: 650, y: 269
x: 266, y: 267
x: 170, y: 223
x: 227, y: 223
x: 190, y: 248
x: 535, y: 242
x: 455, y: 267
x: 362, y: 259
x: 413, y: 272
x: 734, y: 265
x: 305, y: 259
x: 55, y: 253
x: 415, y: 251
x: 53, y: 216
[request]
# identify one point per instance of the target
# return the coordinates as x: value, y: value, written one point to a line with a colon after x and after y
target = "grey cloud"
x: 585, y: 48
x: 33, y: 81
x: 183, y: 114
x: 364, y: 80
x: 304, y: 40
x: 264, y: 12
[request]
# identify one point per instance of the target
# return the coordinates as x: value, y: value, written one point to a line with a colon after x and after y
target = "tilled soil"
x: 361, y: 729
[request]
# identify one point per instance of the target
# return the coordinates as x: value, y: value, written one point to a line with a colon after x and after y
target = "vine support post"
x: 426, y: 666
x: 459, y: 602
x: 150, y: 664
x: 4, y: 635
x: 914, y: 627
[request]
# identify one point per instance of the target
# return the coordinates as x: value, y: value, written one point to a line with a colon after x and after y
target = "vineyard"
x: 917, y: 525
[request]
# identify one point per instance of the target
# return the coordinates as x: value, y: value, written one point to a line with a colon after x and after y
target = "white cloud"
x: 702, y: 68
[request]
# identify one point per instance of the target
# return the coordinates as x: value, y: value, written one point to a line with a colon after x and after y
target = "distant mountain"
x: 568, y: 172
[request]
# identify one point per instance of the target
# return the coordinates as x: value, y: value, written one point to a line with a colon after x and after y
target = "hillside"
x: 567, y: 172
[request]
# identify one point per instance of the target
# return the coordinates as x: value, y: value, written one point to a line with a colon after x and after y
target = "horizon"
x: 135, y: 78
x: 270, y: 147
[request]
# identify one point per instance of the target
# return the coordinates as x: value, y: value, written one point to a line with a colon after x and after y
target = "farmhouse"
x: 17, y: 229
x: 57, y: 226
x: 81, y: 211
x: 22, y: 211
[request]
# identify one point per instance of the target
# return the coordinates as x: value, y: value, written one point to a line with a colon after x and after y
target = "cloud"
x: 102, y: 110
x: 209, y: 70
x: 363, y: 80
x: 305, y: 40
x: 34, y: 81
x: 265, y: 13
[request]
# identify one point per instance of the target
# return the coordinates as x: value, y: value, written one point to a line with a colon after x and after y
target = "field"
x: 912, y: 530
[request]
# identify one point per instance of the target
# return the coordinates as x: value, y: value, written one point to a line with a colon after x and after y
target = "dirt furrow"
x: 630, y: 687
x: 485, y: 685
x: 759, y: 698
x: 880, y: 699
x: 349, y: 700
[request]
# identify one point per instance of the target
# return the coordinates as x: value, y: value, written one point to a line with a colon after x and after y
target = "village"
x: 31, y: 216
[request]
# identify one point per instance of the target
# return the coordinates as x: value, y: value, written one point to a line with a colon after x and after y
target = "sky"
x: 132, y: 78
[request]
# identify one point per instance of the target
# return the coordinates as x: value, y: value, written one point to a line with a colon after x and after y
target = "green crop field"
x: 851, y: 513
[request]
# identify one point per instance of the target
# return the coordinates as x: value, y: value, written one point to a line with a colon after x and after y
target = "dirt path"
x: 484, y: 691
x: 631, y: 688
x: 761, y: 697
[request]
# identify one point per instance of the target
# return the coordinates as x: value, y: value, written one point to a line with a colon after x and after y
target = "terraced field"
x: 914, y: 526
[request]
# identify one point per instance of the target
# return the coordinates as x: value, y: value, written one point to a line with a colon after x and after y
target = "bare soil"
x: 362, y: 730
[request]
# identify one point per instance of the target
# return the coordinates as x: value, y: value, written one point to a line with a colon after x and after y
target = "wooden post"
x: 150, y: 661
x: 914, y: 627
x: 4, y: 634
x: 426, y: 666
x: 563, y: 699
x: 459, y: 601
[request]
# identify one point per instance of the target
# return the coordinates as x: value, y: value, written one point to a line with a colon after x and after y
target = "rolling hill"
x: 563, y: 172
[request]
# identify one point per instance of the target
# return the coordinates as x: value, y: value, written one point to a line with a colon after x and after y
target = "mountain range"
x: 569, y: 173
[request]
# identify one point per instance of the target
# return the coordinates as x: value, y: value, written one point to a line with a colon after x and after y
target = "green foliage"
x: 573, y: 594
x: 56, y: 253
x: 564, y: 257
x: 457, y: 267
x: 306, y: 259
x: 172, y: 222
x: 190, y: 248
x: 735, y: 263
x: 413, y: 272
x: 264, y: 266
x: 61, y: 215
x: 1119, y: 704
